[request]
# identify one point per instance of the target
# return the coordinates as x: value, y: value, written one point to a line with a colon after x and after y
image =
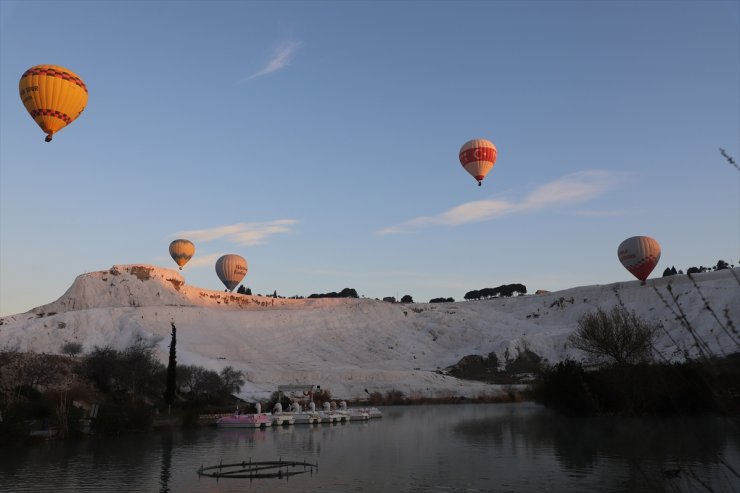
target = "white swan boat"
x: 307, y: 417
x: 330, y: 414
x: 372, y: 412
x: 354, y: 413
x: 279, y: 418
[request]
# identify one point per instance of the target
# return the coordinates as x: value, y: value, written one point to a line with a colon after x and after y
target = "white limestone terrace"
x: 349, y: 345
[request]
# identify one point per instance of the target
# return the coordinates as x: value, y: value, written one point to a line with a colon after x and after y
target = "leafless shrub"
x: 729, y: 158
x: 700, y: 344
x: 40, y: 370
x: 618, y: 335
x: 728, y: 326
x: 10, y: 357
x: 232, y: 380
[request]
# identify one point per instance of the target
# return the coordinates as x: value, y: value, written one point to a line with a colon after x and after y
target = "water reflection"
x: 654, y: 451
x: 164, y: 476
x: 452, y: 448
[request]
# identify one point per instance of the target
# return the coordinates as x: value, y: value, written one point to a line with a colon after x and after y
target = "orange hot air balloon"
x: 182, y: 251
x: 639, y: 255
x: 477, y: 157
x: 54, y: 97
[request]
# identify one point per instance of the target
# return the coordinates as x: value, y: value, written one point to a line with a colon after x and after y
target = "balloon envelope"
x: 54, y: 96
x: 231, y: 269
x: 477, y: 156
x: 181, y: 251
x: 639, y: 255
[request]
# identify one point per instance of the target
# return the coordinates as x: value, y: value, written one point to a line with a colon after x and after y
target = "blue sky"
x: 319, y: 141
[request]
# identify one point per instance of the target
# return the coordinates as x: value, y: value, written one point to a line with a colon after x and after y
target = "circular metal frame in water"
x: 258, y: 470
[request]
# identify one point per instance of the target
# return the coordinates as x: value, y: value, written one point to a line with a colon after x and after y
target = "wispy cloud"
x: 614, y: 213
x: 208, y: 260
x: 281, y: 58
x: 245, y: 234
x: 571, y: 189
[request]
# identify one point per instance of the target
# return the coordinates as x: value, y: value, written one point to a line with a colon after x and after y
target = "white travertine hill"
x: 147, y: 285
x: 349, y: 345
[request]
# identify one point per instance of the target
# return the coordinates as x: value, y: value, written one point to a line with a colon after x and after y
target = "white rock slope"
x: 349, y: 345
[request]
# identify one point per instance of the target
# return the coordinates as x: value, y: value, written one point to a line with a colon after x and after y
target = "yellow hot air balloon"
x: 181, y: 251
x: 231, y: 269
x: 54, y: 96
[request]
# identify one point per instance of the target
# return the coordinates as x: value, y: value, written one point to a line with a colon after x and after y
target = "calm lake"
x: 442, y: 448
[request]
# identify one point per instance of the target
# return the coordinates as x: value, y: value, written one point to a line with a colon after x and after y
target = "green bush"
x: 564, y: 387
x: 14, y: 427
x: 393, y: 397
x: 190, y: 414
x: 116, y: 417
x: 658, y: 389
x: 376, y: 398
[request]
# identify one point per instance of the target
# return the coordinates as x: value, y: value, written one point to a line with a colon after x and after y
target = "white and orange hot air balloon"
x: 231, y: 269
x: 477, y: 156
x: 639, y: 255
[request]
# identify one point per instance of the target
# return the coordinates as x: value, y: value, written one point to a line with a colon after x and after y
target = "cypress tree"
x: 169, y: 393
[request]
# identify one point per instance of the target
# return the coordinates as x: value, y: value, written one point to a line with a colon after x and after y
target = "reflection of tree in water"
x: 164, y: 475
x: 651, y: 451
x: 536, y: 430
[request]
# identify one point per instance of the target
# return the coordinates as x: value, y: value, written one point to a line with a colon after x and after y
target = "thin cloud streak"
x: 244, y: 234
x: 202, y: 261
x: 281, y: 58
x: 614, y: 213
x: 571, y: 189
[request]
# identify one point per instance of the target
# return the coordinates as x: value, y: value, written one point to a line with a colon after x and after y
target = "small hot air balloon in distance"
x: 231, y: 269
x: 477, y: 157
x: 181, y: 251
x: 639, y: 255
x: 54, y: 97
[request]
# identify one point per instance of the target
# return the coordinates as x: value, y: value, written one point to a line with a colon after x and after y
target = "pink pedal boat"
x: 257, y: 420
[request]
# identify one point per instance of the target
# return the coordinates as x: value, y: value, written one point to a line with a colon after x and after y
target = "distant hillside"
x: 349, y: 345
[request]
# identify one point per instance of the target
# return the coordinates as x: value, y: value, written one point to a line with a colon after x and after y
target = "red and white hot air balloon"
x: 639, y: 255
x: 477, y: 157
